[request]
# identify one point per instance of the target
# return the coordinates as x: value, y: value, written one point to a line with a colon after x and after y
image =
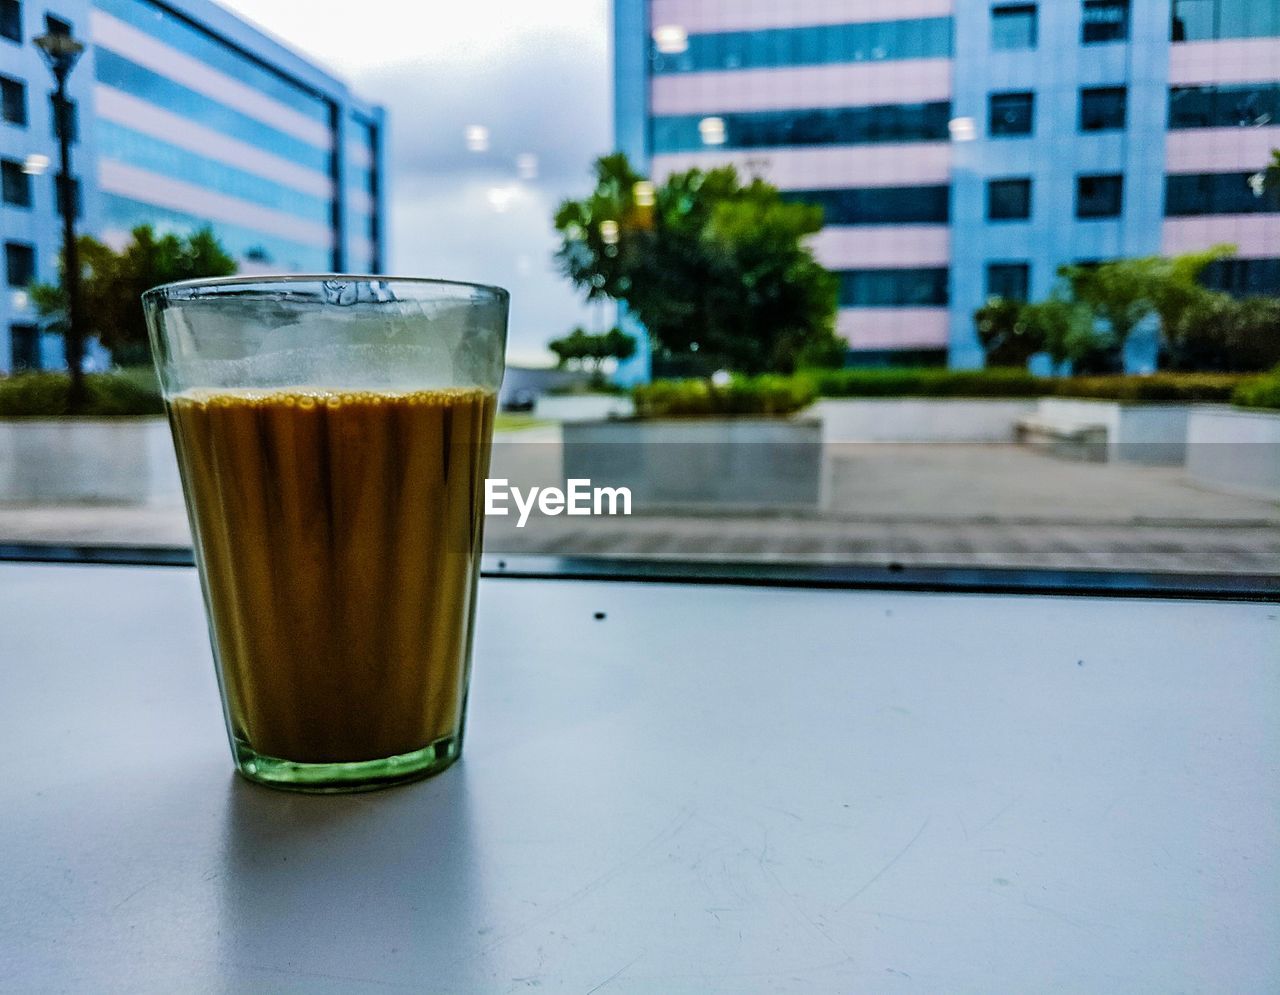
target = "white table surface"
x: 713, y: 789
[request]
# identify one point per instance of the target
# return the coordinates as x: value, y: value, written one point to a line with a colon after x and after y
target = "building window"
x: 1253, y: 105
x: 72, y: 117
x: 75, y: 196
x: 1099, y: 196
x: 1190, y: 194
x: 893, y: 287
x: 1011, y: 113
x: 1011, y: 281
x: 56, y: 25
x: 13, y: 101
x: 1206, y: 20
x: 19, y: 263
x: 1243, y: 277
x: 804, y: 126
x: 1009, y: 200
x: 24, y: 347
x: 1102, y: 108
x: 15, y: 183
x: 1105, y: 20
x: 923, y: 205
x: 1013, y: 26
x: 11, y: 20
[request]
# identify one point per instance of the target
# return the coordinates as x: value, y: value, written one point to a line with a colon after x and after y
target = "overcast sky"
x: 535, y: 74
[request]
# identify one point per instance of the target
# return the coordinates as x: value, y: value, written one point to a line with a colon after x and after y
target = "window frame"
x: 7, y: 177
x: 1013, y: 10
x: 998, y: 96
x: 1082, y: 179
x: 14, y: 249
x: 1103, y: 32
x: 11, y: 85
x: 1005, y: 267
x: 1003, y: 183
x: 1102, y: 93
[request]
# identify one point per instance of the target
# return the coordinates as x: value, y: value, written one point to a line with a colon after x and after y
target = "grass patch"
x: 762, y: 395
x: 515, y: 422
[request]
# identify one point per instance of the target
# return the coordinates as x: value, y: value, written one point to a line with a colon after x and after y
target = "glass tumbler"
x: 333, y: 436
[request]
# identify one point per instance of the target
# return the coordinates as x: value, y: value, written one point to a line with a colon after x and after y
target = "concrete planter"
x: 1234, y: 450
x: 77, y: 460
x: 583, y: 407
x: 921, y: 419
x: 1111, y: 431
x: 736, y: 462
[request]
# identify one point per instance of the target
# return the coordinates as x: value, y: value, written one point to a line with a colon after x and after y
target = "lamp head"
x: 60, y: 51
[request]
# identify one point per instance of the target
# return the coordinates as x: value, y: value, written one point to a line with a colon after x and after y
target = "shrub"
x: 1226, y: 333
x: 1006, y: 339
x: 1259, y: 392
x: 928, y: 382
x: 762, y: 395
x: 44, y: 395
x: 1183, y: 387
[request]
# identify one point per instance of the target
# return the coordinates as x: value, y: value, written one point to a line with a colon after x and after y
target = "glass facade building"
x: 185, y: 116
x: 962, y: 148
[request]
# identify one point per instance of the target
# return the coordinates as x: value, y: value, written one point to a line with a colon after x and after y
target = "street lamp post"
x: 60, y: 53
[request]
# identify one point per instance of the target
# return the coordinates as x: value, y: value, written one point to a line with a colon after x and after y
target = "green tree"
x: 1223, y: 333
x: 1063, y: 327
x: 113, y: 282
x: 1117, y: 293
x: 709, y: 264
x: 1006, y: 339
x: 593, y: 351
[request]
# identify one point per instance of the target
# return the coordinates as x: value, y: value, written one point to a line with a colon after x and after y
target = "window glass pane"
x: 1243, y: 277
x: 20, y: 263
x: 1008, y: 200
x: 11, y: 20
x: 1219, y: 193
x: 13, y: 101
x: 1008, y: 280
x: 1193, y: 20
x: 893, y: 287
x: 1105, y: 20
x: 810, y: 45
x: 1099, y: 196
x: 24, y: 347
x: 1013, y: 26
x: 1011, y: 113
x: 1102, y: 108
x: 878, y: 205
x: 16, y: 183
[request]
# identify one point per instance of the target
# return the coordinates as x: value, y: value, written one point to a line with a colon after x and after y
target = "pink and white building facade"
x: 968, y: 148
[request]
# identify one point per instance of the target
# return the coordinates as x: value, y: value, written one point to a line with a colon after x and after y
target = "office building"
x: 183, y: 115
x: 968, y: 148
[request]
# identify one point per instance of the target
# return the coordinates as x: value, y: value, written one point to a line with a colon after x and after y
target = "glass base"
x: 363, y: 775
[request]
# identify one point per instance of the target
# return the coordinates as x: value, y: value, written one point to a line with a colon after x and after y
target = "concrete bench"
x: 1086, y: 441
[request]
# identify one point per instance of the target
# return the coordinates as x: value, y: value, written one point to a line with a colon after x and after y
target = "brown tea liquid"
x: 339, y: 534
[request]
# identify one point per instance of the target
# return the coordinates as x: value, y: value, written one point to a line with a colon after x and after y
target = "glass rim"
x: 164, y: 290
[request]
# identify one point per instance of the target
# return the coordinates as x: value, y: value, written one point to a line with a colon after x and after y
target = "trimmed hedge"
x: 44, y: 395
x: 762, y: 395
x: 926, y: 382
x: 1259, y: 392
x: 1185, y: 387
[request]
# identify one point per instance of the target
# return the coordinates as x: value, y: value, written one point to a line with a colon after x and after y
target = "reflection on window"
x: 19, y: 263
x: 1011, y: 113
x: 1189, y: 194
x: 1011, y: 281
x: 1205, y: 20
x: 1246, y: 105
x: 1013, y: 26
x: 1009, y: 200
x: 13, y: 101
x: 808, y: 46
x: 925, y: 287
x: 1105, y: 20
x: 1102, y: 108
x: 819, y: 126
x: 878, y: 205
x: 1099, y: 196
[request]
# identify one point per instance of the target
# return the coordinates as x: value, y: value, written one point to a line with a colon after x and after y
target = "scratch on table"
x: 880, y: 873
x: 1012, y: 802
x: 614, y: 976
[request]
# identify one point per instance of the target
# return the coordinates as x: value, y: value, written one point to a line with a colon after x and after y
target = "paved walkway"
x: 916, y: 504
